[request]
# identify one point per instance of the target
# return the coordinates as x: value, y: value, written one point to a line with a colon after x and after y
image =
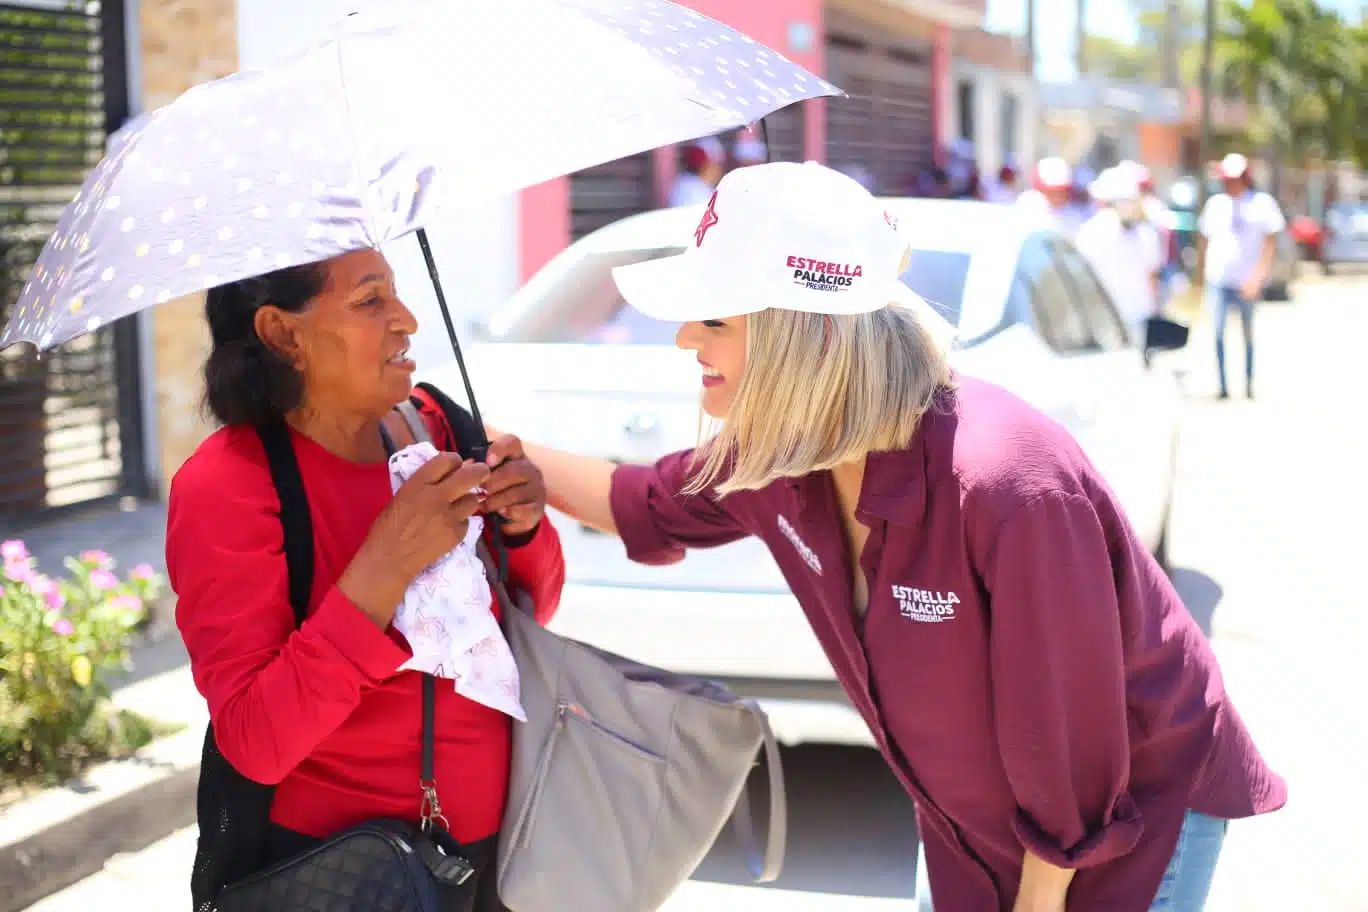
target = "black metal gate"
x: 70, y: 429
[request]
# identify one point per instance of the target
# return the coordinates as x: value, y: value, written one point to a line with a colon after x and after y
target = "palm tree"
x: 1296, y: 64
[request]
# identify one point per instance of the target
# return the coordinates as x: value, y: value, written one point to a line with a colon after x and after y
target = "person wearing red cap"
x: 1051, y: 196
x: 1003, y: 189
x: 1239, y: 230
x: 704, y: 162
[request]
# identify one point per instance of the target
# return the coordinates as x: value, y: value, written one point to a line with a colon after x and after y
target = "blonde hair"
x: 818, y: 391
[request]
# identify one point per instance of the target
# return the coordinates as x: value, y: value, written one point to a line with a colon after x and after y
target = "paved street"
x: 1267, y: 545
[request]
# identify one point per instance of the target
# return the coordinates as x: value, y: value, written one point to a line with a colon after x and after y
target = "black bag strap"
x: 295, y: 520
x: 296, y: 523
x: 469, y: 437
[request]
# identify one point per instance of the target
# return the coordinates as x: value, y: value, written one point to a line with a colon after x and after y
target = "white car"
x: 568, y: 364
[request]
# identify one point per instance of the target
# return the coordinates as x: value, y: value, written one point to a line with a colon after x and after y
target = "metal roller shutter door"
x: 66, y: 419
x: 886, y: 125
x: 614, y: 190
x: 786, y: 129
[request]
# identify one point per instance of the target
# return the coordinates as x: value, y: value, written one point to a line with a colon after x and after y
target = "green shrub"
x: 60, y: 639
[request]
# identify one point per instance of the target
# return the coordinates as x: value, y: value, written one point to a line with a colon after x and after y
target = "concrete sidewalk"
x: 132, y: 532
x: 157, y: 880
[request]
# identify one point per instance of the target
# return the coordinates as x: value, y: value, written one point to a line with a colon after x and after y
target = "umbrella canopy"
x: 368, y: 135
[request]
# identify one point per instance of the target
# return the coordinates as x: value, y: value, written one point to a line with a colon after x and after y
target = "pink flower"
x: 98, y: 558
x: 48, y: 590
x: 126, y: 603
x: 19, y: 571
x: 62, y: 627
x: 143, y: 572
x: 102, y: 580
x: 13, y: 551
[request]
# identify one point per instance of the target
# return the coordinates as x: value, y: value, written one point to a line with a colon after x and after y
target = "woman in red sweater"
x: 320, y: 711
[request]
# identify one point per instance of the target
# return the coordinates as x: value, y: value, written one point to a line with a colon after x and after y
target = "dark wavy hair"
x: 245, y: 382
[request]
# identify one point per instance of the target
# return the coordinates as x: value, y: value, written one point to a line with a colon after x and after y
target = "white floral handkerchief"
x: 446, y: 617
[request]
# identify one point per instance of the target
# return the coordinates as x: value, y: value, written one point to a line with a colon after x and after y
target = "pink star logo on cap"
x: 709, y: 219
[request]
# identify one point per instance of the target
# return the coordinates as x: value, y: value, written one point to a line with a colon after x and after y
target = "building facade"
x: 992, y: 99
x: 1097, y: 122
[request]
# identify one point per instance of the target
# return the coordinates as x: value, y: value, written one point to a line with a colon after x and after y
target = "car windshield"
x: 939, y: 277
x: 598, y: 315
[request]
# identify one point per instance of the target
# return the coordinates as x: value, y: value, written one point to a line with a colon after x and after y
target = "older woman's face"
x: 353, y: 338
x: 721, y: 349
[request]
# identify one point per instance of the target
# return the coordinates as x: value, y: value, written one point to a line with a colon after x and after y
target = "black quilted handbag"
x: 381, y: 865
x: 378, y: 866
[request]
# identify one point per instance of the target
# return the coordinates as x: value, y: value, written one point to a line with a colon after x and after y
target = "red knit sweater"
x: 320, y: 710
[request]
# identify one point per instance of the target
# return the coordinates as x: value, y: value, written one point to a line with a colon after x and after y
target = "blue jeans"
x: 1221, y: 300
x: 1186, y: 881
x: 1188, y: 878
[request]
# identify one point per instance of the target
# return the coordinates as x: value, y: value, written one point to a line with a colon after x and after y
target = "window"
x: 965, y: 95
x: 1108, y: 332
x: 1057, y: 318
x: 1010, y: 112
x: 939, y: 277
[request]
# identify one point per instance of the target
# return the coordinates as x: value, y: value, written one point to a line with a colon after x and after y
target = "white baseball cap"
x: 779, y: 235
x: 1233, y: 166
x: 1053, y: 174
x: 1116, y: 185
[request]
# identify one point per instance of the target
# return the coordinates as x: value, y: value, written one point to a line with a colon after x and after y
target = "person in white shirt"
x: 1048, y: 200
x: 1239, y: 230
x: 1158, y: 214
x: 1080, y: 195
x: 1155, y: 208
x: 704, y: 162
x: 1123, y: 248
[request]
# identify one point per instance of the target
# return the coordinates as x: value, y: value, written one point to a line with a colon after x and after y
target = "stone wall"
x: 184, y: 42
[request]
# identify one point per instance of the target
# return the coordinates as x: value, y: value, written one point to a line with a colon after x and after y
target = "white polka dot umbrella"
x: 367, y: 136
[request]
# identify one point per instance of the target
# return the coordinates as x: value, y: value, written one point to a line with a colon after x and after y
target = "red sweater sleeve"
x: 537, y: 567
x: 274, y: 692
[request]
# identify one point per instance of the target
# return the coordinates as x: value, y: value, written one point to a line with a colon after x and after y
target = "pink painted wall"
x: 940, y: 89
x: 543, y: 225
x: 544, y: 210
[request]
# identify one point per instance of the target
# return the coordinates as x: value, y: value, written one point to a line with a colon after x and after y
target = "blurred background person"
x: 1160, y: 216
x: 749, y: 148
x: 961, y: 169
x: 1080, y: 193
x: 932, y: 183
x: 1003, y: 189
x: 1050, y: 196
x: 1239, y: 229
x: 861, y: 175
x: 1156, y: 210
x: 1123, y: 248
x: 704, y: 162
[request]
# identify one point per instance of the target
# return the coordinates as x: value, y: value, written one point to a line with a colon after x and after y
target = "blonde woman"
x: 1025, y: 666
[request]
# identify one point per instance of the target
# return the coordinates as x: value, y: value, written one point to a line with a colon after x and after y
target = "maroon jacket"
x: 1026, y: 667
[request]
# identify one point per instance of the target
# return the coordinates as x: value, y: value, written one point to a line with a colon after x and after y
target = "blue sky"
x: 1112, y: 18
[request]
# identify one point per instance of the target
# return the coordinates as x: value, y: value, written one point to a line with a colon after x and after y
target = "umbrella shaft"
x: 451, y: 334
